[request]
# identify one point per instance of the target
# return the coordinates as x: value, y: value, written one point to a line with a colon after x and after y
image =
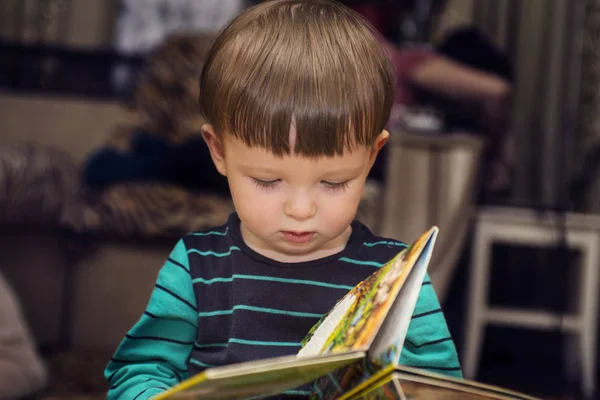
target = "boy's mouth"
x: 298, y: 237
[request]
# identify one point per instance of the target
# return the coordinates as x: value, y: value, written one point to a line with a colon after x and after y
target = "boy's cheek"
x: 246, y: 195
x: 343, y: 206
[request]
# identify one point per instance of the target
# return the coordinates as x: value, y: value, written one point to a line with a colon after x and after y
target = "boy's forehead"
x: 294, y: 165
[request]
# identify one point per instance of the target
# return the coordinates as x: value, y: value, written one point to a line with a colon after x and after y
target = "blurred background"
x: 495, y: 137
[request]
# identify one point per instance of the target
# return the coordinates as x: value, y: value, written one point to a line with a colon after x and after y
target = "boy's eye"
x: 265, y: 184
x: 335, y: 185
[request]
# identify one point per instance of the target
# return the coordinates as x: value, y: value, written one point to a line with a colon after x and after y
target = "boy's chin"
x: 289, y: 248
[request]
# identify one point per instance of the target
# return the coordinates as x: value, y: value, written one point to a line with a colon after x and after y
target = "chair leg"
x: 572, y: 357
x: 588, y: 358
x: 589, y: 303
x: 477, y: 300
x: 472, y: 346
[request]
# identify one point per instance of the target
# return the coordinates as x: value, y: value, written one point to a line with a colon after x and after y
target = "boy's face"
x: 293, y: 208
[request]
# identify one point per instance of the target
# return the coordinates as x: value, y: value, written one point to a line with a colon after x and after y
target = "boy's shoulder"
x: 378, y: 248
x: 208, y: 239
x: 372, y: 239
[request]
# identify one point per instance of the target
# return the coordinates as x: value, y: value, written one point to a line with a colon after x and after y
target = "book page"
x: 388, y: 343
x: 325, y: 328
x: 356, y: 320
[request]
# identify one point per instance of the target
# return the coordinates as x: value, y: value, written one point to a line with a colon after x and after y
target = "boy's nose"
x: 300, y: 207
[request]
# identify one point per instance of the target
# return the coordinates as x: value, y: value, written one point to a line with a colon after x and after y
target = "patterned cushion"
x: 152, y: 210
x: 38, y: 184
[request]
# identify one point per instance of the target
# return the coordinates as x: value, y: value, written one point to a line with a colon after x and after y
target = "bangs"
x: 313, y: 64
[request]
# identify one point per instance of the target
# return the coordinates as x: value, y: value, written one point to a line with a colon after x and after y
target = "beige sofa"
x: 112, y: 280
x: 432, y: 182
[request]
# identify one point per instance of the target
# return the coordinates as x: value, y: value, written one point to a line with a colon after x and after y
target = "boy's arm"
x: 428, y: 343
x: 153, y: 356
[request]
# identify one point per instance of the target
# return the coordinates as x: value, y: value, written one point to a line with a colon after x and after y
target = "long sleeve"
x: 428, y: 342
x: 153, y: 355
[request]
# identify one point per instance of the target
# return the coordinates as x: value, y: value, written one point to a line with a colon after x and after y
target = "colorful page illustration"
x: 388, y: 343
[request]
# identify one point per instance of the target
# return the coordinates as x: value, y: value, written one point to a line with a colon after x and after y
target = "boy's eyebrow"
x: 346, y: 170
x: 257, y: 168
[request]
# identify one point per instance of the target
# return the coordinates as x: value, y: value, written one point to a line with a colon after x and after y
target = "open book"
x: 351, y: 353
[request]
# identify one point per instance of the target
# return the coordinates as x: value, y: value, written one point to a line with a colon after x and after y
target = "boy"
x: 296, y: 94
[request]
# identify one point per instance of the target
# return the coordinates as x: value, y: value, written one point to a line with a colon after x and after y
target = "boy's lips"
x: 298, y: 237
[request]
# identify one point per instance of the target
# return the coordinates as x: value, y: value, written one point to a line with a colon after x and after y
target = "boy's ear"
x: 215, y: 146
x: 380, y: 141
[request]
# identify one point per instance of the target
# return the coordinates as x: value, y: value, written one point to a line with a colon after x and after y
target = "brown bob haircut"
x: 314, y: 63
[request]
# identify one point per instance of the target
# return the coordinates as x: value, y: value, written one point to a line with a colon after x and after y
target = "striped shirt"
x: 218, y: 302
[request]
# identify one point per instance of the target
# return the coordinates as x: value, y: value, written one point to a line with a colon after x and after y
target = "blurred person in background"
x: 465, y: 76
x: 22, y: 372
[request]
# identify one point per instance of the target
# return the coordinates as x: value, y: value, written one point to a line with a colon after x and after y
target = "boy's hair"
x: 312, y: 63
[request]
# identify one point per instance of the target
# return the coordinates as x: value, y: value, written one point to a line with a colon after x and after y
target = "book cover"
x: 258, y: 379
x: 398, y: 382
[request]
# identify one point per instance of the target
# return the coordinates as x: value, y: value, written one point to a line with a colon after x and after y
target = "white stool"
x: 521, y: 226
